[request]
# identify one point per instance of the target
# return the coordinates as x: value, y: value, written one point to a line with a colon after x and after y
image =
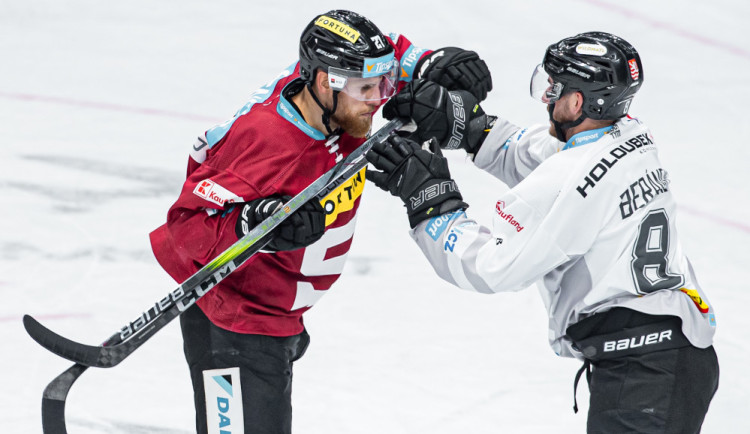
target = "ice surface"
x: 99, y: 102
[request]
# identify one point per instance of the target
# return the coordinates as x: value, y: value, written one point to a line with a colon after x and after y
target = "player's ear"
x: 321, y: 83
x: 576, y: 103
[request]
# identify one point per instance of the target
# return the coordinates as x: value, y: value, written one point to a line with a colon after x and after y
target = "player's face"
x: 354, y: 116
x: 564, y: 110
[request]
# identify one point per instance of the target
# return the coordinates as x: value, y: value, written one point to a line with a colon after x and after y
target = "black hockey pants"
x: 262, y: 365
x: 640, y: 383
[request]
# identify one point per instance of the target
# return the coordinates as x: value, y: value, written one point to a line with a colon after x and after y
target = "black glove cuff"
x: 433, y: 198
x: 479, y: 128
x: 246, y: 220
x: 446, y: 207
x: 255, y: 211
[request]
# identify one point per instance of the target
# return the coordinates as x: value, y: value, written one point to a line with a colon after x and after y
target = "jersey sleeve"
x: 489, y: 260
x: 533, y: 232
x: 201, y: 222
x: 510, y: 153
x: 408, y: 55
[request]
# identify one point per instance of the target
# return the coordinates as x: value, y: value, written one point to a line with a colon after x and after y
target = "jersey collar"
x: 288, y: 111
x: 586, y: 137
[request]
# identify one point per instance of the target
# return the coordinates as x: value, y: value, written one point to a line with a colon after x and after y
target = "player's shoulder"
x: 623, y: 138
x: 628, y: 138
x: 265, y: 127
x: 612, y: 161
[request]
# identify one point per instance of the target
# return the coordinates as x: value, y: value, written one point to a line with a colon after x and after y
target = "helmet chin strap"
x: 327, y: 113
x: 561, y: 128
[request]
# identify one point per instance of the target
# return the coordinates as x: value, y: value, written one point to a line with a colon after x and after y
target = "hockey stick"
x: 121, y: 344
x: 53, y: 400
x: 134, y: 334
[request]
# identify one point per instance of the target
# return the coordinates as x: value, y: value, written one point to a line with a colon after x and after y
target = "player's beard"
x: 552, y: 130
x: 559, y: 127
x: 355, y: 125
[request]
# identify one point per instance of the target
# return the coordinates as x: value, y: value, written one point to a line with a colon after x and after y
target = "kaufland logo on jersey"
x: 499, y: 207
x: 215, y: 193
x: 634, y: 71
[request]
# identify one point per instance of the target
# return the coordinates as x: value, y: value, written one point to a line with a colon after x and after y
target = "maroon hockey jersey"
x: 265, y: 149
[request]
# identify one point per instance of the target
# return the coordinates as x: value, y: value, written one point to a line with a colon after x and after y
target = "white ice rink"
x: 100, y: 101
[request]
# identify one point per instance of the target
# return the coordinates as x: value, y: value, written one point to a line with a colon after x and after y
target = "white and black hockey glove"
x: 456, y: 69
x: 453, y: 118
x: 304, y: 227
x: 420, y: 177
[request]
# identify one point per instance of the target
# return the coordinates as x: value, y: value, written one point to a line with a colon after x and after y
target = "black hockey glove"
x: 304, y: 227
x: 419, y: 177
x: 456, y: 69
x: 453, y: 118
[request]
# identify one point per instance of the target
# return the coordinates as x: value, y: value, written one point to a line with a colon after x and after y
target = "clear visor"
x: 543, y: 87
x: 364, y: 86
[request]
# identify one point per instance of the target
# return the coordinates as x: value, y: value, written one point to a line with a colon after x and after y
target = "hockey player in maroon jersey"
x: 242, y: 337
x: 590, y: 217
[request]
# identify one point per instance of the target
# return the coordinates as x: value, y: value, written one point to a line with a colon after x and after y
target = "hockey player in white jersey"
x: 590, y: 217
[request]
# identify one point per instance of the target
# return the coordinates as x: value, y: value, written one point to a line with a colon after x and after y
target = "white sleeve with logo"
x: 520, y: 248
x: 510, y: 153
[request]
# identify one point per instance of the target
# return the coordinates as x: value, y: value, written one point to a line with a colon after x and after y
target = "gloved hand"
x: 456, y: 69
x: 453, y: 118
x: 304, y: 227
x: 418, y: 176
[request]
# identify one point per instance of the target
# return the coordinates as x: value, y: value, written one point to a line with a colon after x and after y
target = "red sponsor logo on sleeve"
x: 215, y: 193
x: 500, y: 208
x: 203, y: 189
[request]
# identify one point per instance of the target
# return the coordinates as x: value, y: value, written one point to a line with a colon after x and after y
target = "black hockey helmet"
x: 606, y: 69
x: 357, y: 57
x: 340, y: 39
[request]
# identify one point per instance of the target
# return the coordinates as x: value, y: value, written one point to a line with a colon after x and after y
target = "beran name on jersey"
x: 600, y: 169
x: 643, y: 191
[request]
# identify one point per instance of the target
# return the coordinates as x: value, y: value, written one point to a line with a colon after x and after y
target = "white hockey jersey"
x: 592, y: 221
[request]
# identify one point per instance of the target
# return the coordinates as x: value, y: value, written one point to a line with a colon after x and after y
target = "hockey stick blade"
x: 89, y: 355
x: 53, y: 400
x: 121, y: 344
x: 63, y: 347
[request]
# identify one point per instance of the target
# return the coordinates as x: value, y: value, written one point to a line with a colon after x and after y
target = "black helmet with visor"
x: 606, y: 69
x: 354, y: 53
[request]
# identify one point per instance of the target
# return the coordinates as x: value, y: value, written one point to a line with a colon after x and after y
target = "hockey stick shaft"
x: 53, y: 400
x: 121, y: 344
